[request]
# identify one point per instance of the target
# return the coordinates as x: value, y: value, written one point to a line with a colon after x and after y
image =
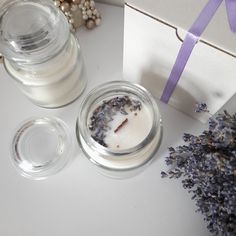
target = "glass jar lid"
x: 41, y: 147
x: 31, y: 31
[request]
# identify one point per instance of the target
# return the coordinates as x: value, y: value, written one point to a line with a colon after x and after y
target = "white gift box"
x: 153, y: 34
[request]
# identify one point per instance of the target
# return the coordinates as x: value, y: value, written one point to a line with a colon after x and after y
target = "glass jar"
x: 119, y: 128
x: 40, y: 53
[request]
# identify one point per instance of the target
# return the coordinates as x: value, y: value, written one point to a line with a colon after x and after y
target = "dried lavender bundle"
x: 207, y: 165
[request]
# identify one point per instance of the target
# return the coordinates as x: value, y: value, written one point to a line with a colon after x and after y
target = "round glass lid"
x: 41, y: 147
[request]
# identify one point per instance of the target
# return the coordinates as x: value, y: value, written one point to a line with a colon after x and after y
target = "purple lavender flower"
x: 207, y: 165
x: 201, y: 107
x: 104, y: 113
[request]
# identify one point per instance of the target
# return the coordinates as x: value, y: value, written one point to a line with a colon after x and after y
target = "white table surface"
x: 79, y: 200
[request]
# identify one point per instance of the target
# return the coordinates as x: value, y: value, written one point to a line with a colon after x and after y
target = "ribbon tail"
x: 180, y: 63
x: 231, y: 12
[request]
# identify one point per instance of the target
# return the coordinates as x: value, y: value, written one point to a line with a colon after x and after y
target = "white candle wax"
x: 136, y: 128
x: 119, y: 124
x: 55, y: 82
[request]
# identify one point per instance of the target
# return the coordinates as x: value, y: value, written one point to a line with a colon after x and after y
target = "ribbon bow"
x: 191, y: 39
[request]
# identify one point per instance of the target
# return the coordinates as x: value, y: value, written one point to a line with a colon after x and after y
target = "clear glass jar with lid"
x: 40, y: 53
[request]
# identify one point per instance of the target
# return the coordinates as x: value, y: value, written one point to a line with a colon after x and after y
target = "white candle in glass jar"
x: 40, y: 53
x: 119, y: 126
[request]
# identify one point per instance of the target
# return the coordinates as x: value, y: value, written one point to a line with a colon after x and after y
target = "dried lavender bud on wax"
x: 104, y: 114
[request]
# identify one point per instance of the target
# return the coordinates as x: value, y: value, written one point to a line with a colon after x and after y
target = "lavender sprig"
x: 201, y: 107
x: 207, y: 165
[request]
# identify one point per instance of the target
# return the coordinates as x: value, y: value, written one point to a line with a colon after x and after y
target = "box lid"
x: 182, y: 14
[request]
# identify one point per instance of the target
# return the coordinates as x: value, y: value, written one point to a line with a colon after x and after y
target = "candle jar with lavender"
x: 40, y: 53
x: 119, y: 128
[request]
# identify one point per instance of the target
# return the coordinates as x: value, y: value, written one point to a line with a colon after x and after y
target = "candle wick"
x: 121, y: 125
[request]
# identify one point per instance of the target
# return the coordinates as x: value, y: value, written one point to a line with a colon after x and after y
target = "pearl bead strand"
x: 90, y: 15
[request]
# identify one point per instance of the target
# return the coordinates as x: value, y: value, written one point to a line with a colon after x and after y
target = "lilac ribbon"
x: 191, y: 39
